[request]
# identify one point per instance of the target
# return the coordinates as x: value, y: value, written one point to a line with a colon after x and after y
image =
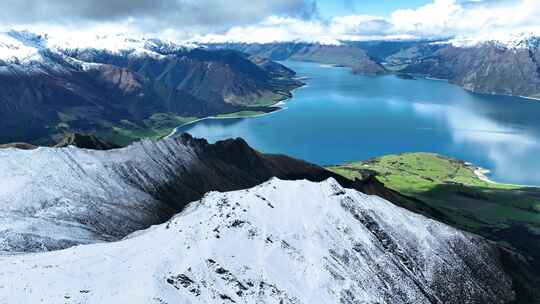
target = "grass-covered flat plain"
x: 502, y: 212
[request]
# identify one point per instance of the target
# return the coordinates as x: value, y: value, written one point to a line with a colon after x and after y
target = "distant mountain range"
x: 490, y: 67
x: 124, y: 88
x: 123, y: 85
x: 343, y: 55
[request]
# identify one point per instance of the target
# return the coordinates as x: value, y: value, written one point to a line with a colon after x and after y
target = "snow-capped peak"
x: 118, y: 43
x: 522, y: 40
x: 19, y: 46
x: 281, y: 242
x: 24, y: 47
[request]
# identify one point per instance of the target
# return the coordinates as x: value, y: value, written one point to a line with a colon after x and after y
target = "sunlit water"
x: 339, y: 117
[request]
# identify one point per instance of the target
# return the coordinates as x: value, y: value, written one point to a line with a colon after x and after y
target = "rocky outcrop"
x: 85, y: 141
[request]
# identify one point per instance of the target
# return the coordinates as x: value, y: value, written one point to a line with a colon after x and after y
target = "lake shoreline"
x: 339, y: 116
x: 280, y: 105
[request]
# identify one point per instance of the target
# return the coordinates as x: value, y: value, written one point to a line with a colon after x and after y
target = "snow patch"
x: 71, y: 192
x: 504, y: 40
x: 26, y: 48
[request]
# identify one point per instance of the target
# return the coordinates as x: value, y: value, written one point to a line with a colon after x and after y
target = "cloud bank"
x: 475, y: 20
x: 183, y: 17
x: 272, y: 20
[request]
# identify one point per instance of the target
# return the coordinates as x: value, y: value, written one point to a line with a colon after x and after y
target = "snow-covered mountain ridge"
x: 22, y: 47
x: 509, y: 41
x: 54, y: 198
x: 280, y: 242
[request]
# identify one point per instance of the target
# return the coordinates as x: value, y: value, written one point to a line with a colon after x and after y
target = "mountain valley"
x: 258, y: 152
x: 124, y: 89
x: 488, y: 67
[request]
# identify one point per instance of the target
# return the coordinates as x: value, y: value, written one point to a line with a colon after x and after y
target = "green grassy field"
x: 155, y: 127
x: 501, y: 212
x: 162, y: 124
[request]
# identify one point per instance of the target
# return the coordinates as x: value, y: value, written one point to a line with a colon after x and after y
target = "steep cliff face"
x: 281, y: 242
x: 52, y: 198
x: 48, y: 89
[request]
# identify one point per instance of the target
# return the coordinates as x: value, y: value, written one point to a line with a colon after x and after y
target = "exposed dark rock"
x: 85, y: 142
x: 21, y: 146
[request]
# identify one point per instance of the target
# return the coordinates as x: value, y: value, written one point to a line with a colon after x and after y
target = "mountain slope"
x: 120, y: 86
x: 52, y: 198
x: 342, y: 55
x: 509, y: 67
x: 496, y: 211
x: 492, y: 67
x: 281, y: 242
x: 450, y: 191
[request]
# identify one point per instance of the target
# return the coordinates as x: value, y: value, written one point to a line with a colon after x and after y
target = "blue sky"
x: 331, y: 8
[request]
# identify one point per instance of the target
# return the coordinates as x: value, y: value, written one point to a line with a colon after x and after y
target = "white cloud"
x: 273, y: 20
x: 275, y: 29
x: 183, y: 17
x: 487, y: 19
x: 430, y: 19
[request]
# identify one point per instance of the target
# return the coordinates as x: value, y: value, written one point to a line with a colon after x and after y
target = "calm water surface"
x: 339, y: 117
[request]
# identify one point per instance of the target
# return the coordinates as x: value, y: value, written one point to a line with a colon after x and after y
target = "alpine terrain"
x: 280, y: 242
x: 124, y: 88
x: 54, y: 198
x: 508, y: 66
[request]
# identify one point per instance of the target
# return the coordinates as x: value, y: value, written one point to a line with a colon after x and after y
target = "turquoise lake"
x: 339, y: 117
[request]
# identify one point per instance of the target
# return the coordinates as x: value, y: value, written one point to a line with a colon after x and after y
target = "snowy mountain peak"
x: 280, y: 242
x: 28, y: 38
x: 113, y: 43
x: 23, y: 47
x: 507, y: 40
x: 19, y: 46
x: 528, y: 41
